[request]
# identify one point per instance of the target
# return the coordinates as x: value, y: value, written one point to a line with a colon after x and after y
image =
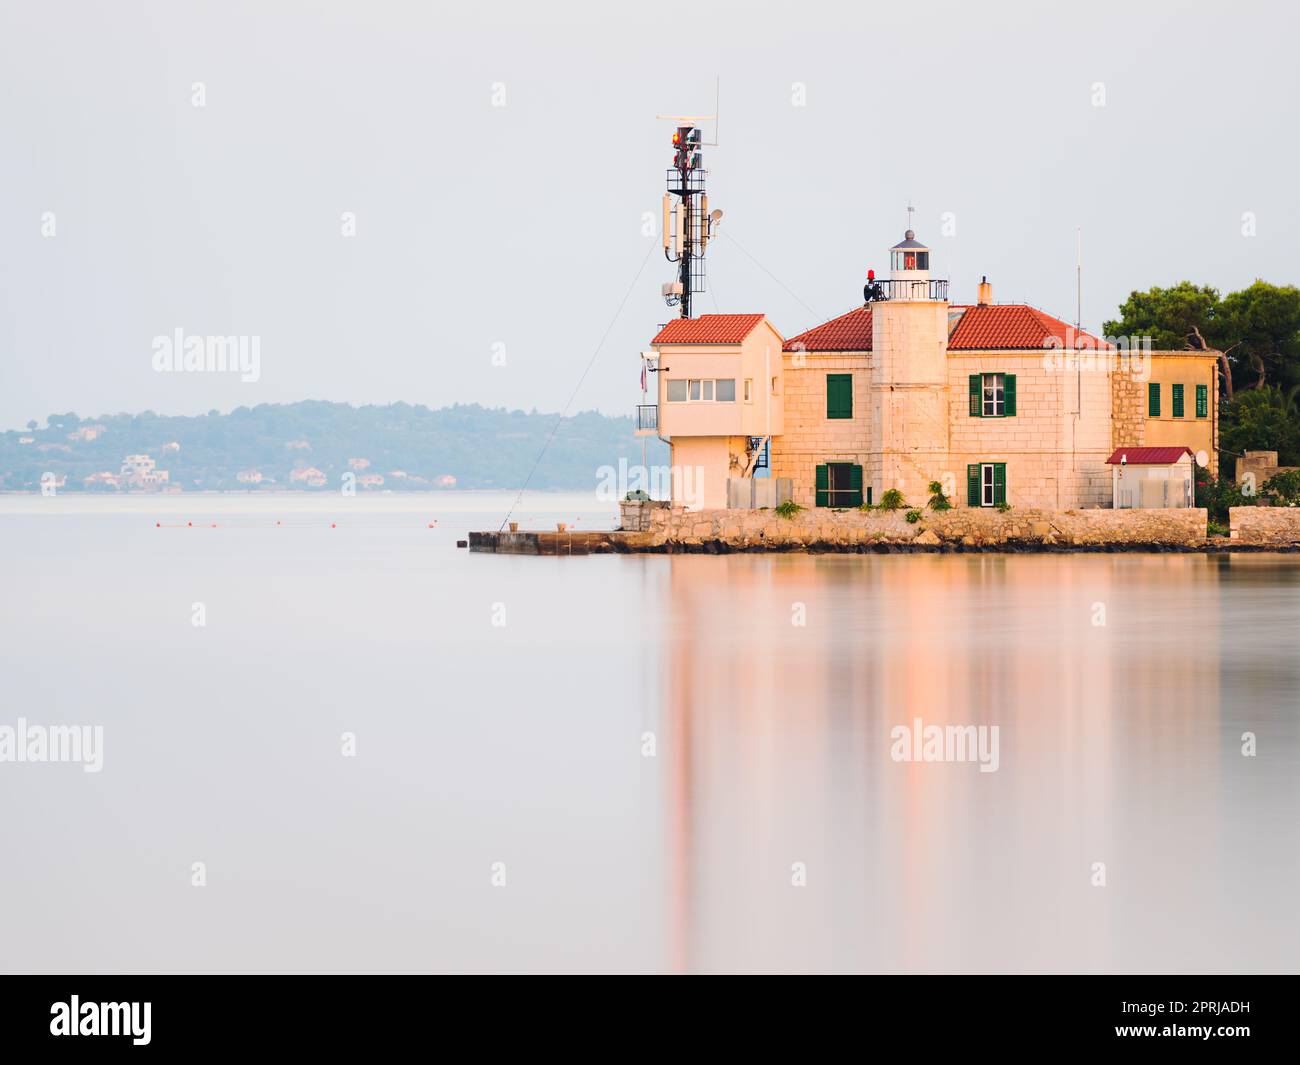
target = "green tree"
x: 1262, y: 325
x: 1264, y: 419
x: 1172, y: 317
x: 1256, y: 330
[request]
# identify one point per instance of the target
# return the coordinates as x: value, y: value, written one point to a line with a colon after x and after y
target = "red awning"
x: 1148, y: 456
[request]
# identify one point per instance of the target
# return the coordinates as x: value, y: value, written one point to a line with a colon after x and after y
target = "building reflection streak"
x: 780, y: 740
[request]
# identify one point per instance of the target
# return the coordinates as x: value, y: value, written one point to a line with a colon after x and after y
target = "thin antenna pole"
x: 717, y: 109
x: 1078, y: 322
x: 1078, y: 280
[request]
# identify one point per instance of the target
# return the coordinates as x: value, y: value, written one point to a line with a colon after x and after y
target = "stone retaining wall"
x: 1265, y: 526
x: 963, y: 527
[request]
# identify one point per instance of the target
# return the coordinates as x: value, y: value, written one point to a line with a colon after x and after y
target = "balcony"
x: 647, y: 419
x: 905, y: 289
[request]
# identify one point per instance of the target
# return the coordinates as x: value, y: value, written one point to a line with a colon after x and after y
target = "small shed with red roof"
x: 1152, y: 477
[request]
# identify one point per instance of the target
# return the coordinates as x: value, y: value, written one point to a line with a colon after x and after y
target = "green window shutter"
x: 976, y: 396
x: 973, y: 485
x: 868, y: 499
x: 1178, y: 401
x: 1009, y: 394
x: 855, y: 486
x: 839, y: 395
x: 1153, y: 400
x: 823, y: 486
x: 999, y: 483
x: 1202, y: 401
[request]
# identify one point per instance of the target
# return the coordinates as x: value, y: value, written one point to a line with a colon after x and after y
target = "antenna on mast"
x: 687, y: 222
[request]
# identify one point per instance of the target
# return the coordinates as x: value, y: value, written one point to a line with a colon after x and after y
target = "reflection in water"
x: 524, y: 744
x: 1121, y: 686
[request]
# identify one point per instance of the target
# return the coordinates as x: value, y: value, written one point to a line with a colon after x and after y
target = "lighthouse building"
x: 1002, y: 404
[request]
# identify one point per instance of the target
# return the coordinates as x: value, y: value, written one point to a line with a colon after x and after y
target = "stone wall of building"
x: 634, y: 515
x: 853, y: 529
x: 810, y: 437
x: 1265, y: 526
x: 1054, y: 459
x: 1127, y: 410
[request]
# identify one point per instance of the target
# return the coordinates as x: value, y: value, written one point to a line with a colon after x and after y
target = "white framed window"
x: 995, y: 395
x: 701, y: 390
x: 986, y: 484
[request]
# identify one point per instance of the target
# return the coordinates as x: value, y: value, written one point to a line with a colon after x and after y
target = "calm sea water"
x: 501, y: 706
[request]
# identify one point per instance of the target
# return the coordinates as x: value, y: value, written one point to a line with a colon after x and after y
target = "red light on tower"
x: 677, y: 138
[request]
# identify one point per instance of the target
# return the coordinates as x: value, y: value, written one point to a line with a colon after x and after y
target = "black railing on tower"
x: 905, y: 289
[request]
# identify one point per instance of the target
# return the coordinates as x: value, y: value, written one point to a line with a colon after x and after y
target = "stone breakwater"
x: 670, y: 528
x: 1265, y: 526
x: 657, y: 527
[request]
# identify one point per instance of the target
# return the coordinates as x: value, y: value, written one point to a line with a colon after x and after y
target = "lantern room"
x: 909, y: 259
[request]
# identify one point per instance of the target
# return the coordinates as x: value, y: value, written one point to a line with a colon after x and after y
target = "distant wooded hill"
x: 287, y: 445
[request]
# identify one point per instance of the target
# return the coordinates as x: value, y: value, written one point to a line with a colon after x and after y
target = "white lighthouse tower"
x: 909, y: 375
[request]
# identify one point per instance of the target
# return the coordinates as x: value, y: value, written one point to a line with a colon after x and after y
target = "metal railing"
x: 647, y: 416
x: 905, y: 289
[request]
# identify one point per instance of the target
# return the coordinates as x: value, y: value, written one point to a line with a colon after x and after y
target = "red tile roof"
x: 1148, y: 456
x: 708, y: 329
x: 1002, y: 326
x: 988, y: 327
x: 848, y: 332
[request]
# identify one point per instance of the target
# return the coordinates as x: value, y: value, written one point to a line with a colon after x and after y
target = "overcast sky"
x: 517, y: 229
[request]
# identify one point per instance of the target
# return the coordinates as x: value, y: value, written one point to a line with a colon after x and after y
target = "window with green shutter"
x: 986, y: 484
x: 854, y: 498
x: 839, y: 395
x: 1178, y: 401
x: 992, y: 395
x: 1202, y: 401
x: 839, y: 484
x: 1153, y: 400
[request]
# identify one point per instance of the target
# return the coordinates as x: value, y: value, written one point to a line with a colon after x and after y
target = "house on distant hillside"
x: 309, y: 476
x: 140, y: 471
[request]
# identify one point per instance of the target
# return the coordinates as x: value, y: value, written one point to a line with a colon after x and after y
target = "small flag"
x: 643, y: 375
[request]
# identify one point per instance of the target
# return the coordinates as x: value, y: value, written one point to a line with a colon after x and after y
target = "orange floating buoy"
x: 157, y: 525
x: 333, y: 526
x: 190, y: 524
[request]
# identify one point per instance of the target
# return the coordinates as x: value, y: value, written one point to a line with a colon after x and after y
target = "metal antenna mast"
x: 687, y: 222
